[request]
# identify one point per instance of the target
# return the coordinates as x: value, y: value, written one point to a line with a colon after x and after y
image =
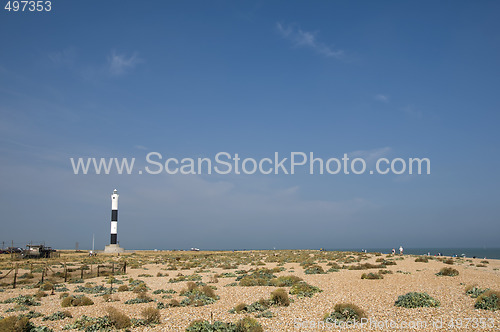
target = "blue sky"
x: 190, y: 79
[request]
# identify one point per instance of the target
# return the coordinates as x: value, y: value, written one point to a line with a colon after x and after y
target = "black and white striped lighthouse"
x: 114, y: 216
x: 114, y: 247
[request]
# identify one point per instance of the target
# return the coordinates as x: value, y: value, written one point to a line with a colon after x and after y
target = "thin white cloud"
x: 412, y: 112
x: 301, y: 38
x: 66, y: 57
x: 371, y: 156
x: 120, y: 63
x: 140, y: 147
x: 382, y: 98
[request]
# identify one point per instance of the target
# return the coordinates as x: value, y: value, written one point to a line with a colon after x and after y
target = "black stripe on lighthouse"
x: 114, y: 215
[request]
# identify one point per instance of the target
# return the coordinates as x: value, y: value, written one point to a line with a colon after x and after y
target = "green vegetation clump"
x: 489, y: 300
x: 38, y: 295
x: 205, y: 326
x: 198, y: 295
x: 345, y: 312
x: 448, y: 271
x: 367, y: 266
x: 145, y: 299
x: 151, y: 315
x: 46, y: 286
x: 117, y: 318
x: 75, y: 301
x: 246, y: 324
x: 93, y: 290
x: 303, y: 289
x: 164, y: 291
x: 227, y: 275
x: 59, y: 315
x: 90, y: 324
x: 25, y: 300
x: 314, y: 269
x: 286, y: 281
x: 193, y: 277
x: 260, y: 277
x: 421, y: 259
x: 416, y: 300
x: 17, y: 308
x: 474, y: 291
x: 123, y: 288
x: 20, y: 324
x: 279, y: 297
x: 31, y: 314
x: 372, y: 275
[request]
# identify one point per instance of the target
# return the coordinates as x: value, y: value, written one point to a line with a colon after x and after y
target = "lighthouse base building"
x: 114, y: 247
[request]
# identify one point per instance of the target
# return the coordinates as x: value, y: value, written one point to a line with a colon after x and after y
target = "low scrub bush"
x: 193, y: 277
x: 198, y: 295
x: 46, y: 286
x: 285, y: 281
x: 117, y: 318
x: 367, y: 266
x: 123, y: 288
x: 314, y: 269
x: 260, y: 277
x: 279, y: 297
x: 448, y: 272
x: 474, y: 291
x: 151, y: 315
x: 85, y: 323
x: 416, y: 300
x: 246, y: 324
x: 345, y: 312
x: 372, y: 275
x: 75, y: 301
x: 303, y: 289
x: 15, y: 324
x: 489, y: 300
x: 58, y: 315
x: 258, y: 306
x: 25, y: 300
x: 421, y: 259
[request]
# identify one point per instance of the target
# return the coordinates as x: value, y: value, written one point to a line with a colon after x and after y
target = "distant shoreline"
x: 488, y: 253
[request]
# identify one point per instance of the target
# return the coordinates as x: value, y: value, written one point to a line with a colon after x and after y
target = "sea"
x: 488, y: 253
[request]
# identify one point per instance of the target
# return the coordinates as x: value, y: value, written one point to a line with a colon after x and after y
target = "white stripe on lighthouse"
x: 114, y: 227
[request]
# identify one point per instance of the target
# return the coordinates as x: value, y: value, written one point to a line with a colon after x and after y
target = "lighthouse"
x: 114, y: 216
x: 113, y: 247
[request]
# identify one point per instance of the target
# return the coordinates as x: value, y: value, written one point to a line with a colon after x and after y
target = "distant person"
x: 401, y: 250
x: 393, y: 251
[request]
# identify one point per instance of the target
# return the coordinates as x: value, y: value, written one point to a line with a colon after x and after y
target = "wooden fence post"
x: 65, y: 272
x: 15, y: 278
